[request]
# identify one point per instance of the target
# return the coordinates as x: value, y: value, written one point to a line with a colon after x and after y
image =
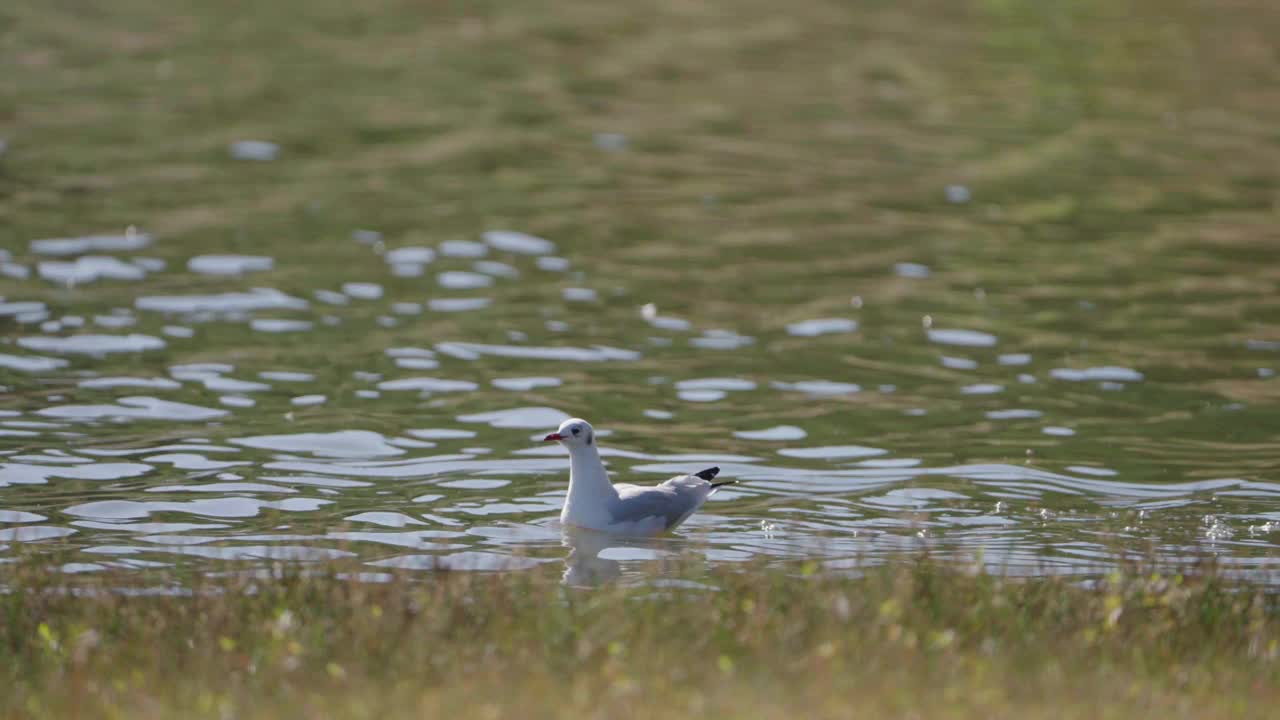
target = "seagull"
x: 595, y: 503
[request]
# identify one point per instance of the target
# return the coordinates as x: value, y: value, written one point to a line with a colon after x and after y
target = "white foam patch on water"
x: 315, y: 480
x: 37, y: 474
x: 24, y: 307
x: 818, y: 387
x: 32, y: 533
x: 463, y: 248
x: 553, y: 264
x: 911, y: 270
x: 30, y: 363
x: 474, y: 484
x: 917, y: 497
x: 114, y: 322
x: 649, y: 312
x: 956, y: 363
x: 237, y: 401
x: 256, y: 150
x: 330, y: 297
x: 428, y: 384
x: 833, y: 452
x: 341, y: 444
x: 519, y: 418
x: 1013, y: 414
x: 220, y: 384
x: 193, y: 461
x: 1094, y: 471
x: 129, y: 242
x: 286, y: 376
x: 309, y: 400
x: 385, y: 519
x: 721, y: 340
x: 1097, y: 374
x: 106, y: 383
x: 701, y: 395
x: 496, y: 269
x: 91, y: 344
x: 88, y: 269
x: 669, y: 323
x: 228, y: 507
x: 362, y: 290
x: 518, y: 242
x: 457, y: 304
x: 967, y: 338
x: 822, y: 326
x: 410, y: 443
x: 526, y: 383
x: 596, y: 353
x: 777, y: 433
x: 222, y: 303
x: 441, y: 434
x: 149, y: 264
x: 579, y: 294
x: 981, y: 389
x: 406, y: 308
x: 197, y: 371
x: 461, y: 280
x: 366, y: 237
x: 1057, y: 431
x: 404, y: 352
x: 19, y: 516
x: 414, y: 255
x: 229, y: 265
x: 725, y: 384
x: 1014, y: 359
x: 49, y: 456
x: 16, y: 271
x: 413, y: 363
x: 177, y: 331
x: 274, y: 325
x: 134, y: 408
x: 223, y: 487
x: 658, y: 414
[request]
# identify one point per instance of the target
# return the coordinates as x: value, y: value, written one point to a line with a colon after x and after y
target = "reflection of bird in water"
x: 597, y: 504
x: 583, y: 566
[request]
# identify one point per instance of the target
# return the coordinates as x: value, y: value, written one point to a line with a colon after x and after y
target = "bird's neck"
x: 589, y: 486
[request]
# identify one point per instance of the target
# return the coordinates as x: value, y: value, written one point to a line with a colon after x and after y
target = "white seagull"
x: 597, y: 504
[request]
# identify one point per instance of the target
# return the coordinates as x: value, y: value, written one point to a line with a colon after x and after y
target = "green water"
x: 1042, y: 240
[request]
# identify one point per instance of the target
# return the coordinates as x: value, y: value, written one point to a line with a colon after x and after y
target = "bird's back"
x: 660, y: 507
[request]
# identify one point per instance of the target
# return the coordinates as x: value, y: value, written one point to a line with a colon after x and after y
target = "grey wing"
x: 663, y: 506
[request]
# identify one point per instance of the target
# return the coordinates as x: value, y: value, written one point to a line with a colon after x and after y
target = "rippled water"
x: 931, y: 317
x: 853, y: 436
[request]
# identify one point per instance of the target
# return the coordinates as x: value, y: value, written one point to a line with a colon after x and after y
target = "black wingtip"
x: 708, y: 474
x: 722, y: 483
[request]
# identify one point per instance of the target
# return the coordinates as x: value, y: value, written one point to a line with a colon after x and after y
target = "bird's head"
x: 572, y: 433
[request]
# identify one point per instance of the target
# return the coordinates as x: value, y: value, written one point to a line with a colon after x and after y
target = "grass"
x: 910, y: 639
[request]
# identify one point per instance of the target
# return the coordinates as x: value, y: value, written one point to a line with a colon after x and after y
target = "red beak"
x: 552, y: 437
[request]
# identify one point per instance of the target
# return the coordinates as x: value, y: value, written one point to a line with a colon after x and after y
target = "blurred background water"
x: 997, y: 279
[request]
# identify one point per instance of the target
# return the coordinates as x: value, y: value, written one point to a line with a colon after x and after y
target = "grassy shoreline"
x: 913, y: 638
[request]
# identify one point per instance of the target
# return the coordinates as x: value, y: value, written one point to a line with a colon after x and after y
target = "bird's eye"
x: 577, y: 430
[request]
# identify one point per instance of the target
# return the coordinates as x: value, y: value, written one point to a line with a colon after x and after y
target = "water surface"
x: 1001, y: 295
